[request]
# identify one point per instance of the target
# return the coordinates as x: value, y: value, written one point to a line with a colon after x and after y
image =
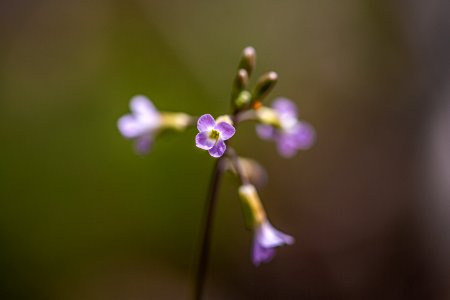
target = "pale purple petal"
x: 218, y: 149
x: 203, y: 141
x: 142, y: 124
x: 205, y: 123
x: 269, y: 237
x: 129, y: 127
x: 145, y: 113
x: 286, y: 146
x: 143, y: 143
x: 301, y: 137
x: 304, y: 136
x: 141, y: 105
x: 261, y: 254
x: 292, y: 134
x: 226, y: 130
x: 266, y: 132
x: 285, y: 108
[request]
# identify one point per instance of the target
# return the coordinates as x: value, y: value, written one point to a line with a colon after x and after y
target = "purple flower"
x: 290, y: 134
x: 212, y: 135
x: 142, y: 124
x: 266, y: 239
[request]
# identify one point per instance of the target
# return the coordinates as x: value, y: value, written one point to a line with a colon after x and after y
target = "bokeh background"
x: 83, y: 217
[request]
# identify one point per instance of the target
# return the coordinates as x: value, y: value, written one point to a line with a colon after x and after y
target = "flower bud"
x: 264, y: 85
x: 248, y: 60
x: 240, y: 83
x: 241, y: 80
x: 243, y: 99
x: 224, y: 118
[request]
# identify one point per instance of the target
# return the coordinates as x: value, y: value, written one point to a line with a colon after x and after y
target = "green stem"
x: 208, y: 215
x: 207, y: 229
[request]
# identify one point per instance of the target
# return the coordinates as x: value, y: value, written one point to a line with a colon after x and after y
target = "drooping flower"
x: 281, y: 124
x: 265, y: 241
x: 212, y: 135
x: 266, y: 237
x: 145, y: 121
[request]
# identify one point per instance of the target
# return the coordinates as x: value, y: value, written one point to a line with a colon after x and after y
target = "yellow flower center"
x: 214, y: 134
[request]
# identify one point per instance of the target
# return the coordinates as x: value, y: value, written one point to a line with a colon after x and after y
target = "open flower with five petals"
x: 212, y: 135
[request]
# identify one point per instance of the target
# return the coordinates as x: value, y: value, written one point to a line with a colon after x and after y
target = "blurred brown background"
x: 83, y: 217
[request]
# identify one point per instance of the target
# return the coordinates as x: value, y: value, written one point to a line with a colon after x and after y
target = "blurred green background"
x: 83, y: 217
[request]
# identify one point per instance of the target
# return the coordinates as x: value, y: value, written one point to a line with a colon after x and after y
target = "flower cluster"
x: 278, y: 122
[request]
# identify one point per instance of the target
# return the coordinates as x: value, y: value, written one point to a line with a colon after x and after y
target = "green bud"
x: 240, y: 83
x: 248, y: 60
x: 243, y: 99
x: 264, y: 85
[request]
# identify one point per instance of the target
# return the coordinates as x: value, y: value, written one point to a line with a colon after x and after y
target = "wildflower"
x: 145, y: 122
x: 280, y: 123
x: 212, y: 134
x: 266, y: 238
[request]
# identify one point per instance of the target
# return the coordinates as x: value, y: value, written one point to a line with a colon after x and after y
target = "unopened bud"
x: 248, y: 60
x: 240, y: 83
x: 224, y: 118
x: 264, y: 85
x: 243, y: 99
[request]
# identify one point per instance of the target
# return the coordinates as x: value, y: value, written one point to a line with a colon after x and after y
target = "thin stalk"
x: 208, y: 217
x: 237, y: 166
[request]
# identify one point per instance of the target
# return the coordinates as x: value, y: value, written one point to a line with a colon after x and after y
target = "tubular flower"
x: 281, y: 124
x: 266, y: 237
x: 212, y: 135
x: 145, y: 122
